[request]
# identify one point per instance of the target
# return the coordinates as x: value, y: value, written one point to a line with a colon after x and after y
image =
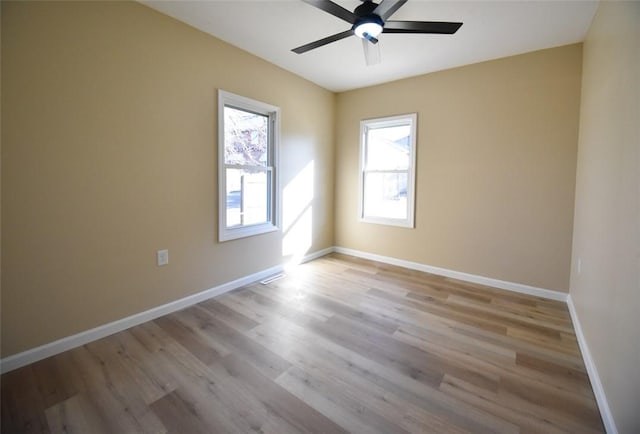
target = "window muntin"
x: 248, y: 133
x: 387, y: 170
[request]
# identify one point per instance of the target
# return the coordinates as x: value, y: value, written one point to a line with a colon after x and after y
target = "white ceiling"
x: 491, y: 29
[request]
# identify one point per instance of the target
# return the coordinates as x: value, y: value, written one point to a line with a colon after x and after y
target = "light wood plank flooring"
x: 339, y: 345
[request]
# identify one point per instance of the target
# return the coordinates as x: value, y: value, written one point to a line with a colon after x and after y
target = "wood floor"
x: 339, y: 345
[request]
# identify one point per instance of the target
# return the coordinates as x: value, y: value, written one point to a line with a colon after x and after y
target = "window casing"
x: 248, y: 133
x: 387, y: 170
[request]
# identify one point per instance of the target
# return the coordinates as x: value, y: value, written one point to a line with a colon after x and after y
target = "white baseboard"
x: 596, y: 384
x: 56, y: 347
x: 488, y: 281
x: 42, y: 352
x: 598, y: 390
x: 35, y: 354
x: 318, y: 254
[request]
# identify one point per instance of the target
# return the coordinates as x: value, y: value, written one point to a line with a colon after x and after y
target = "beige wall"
x: 109, y: 154
x: 495, y: 173
x: 606, y: 291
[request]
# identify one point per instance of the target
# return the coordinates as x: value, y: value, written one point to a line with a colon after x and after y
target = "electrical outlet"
x: 162, y: 257
x: 579, y: 265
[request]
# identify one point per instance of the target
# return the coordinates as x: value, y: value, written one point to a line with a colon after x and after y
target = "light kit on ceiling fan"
x: 369, y: 20
x: 368, y: 28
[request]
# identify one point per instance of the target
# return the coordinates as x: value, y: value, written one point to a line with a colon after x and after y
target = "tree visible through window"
x: 387, y: 163
x: 247, y: 172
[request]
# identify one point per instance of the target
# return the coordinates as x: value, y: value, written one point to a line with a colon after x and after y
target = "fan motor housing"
x: 365, y: 15
x: 372, y: 18
x: 366, y: 9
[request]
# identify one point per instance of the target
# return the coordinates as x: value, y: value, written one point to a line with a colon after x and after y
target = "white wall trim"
x: 596, y: 384
x: 56, y: 347
x: 42, y: 352
x: 488, y: 281
x: 318, y: 254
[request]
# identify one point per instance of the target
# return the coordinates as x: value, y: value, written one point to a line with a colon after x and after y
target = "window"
x: 247, y: 144
x: 387, y: 170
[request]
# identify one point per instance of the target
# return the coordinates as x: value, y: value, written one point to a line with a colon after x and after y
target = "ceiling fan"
x: 369, y: 20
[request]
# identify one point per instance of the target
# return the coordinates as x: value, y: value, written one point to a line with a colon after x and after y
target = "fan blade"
x: 386, y: 8
x: 333, y: 9
x: 371, y: 52
x: 323, y: 41
x: 440, y: 27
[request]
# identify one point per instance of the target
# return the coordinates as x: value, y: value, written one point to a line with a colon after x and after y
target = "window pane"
x: 388, y: 148
x: 246, y: 137
x: 385, y: 195
x: 247, y: 197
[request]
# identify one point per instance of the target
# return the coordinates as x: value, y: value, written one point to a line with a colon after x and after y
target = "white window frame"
x: 410, y: 119
x: 273, y: 113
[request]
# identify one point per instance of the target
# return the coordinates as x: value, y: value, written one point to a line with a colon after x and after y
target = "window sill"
x: 246, y: 231
x: 388, y: 222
